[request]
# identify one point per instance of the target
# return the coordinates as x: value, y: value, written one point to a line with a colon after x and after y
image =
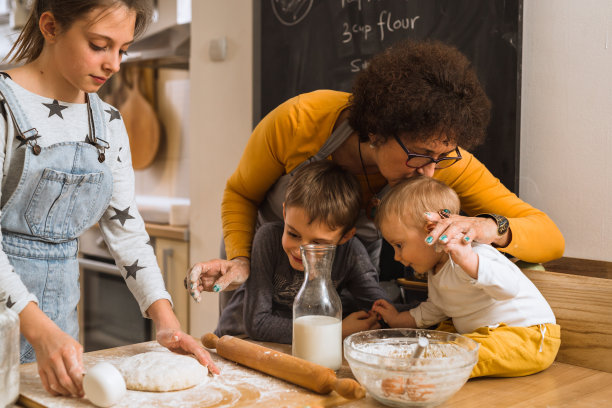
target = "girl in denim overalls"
x: 66, y: 166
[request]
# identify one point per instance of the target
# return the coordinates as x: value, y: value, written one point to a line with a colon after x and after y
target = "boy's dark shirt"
x: 262, y: 307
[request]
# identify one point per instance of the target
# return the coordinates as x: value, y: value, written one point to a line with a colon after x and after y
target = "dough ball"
x: 162, y: 371
x: 103, y: 385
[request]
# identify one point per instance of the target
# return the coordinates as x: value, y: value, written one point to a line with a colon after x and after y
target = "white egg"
x: 104, y: 385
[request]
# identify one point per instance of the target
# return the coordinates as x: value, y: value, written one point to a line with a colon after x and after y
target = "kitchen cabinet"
x: 173, y: 259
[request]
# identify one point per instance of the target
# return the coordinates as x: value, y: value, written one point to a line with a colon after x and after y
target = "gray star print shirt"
x: 121, y: 225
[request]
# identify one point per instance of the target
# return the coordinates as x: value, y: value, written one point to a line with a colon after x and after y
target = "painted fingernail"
x: 444, y: 238
x: 466, y: 238
x: 427, y: 214
x: 216, y: 288
x: 429, y: 239
x: 447, y: 211
x: 192, y: 285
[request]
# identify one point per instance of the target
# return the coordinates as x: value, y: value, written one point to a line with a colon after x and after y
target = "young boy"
x: 486, y: 295
x: 322, y: 204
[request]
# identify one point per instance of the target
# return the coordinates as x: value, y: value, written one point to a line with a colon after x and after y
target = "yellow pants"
x: 512, y: 351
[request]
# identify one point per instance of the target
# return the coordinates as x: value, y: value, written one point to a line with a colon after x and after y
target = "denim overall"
x: 63, y: 190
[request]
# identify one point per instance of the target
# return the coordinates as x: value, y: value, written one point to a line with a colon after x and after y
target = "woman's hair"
x: 408, y: 201
x: 424, y: 89
x: 327, y: 193
x: 30, y: 42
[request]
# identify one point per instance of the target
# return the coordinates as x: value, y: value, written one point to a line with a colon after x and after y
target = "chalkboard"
x: 304, y: 45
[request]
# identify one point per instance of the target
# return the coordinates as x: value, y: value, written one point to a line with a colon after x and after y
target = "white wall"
x: 219, y: 126
x: 169, y: 174
x: 566, y: 129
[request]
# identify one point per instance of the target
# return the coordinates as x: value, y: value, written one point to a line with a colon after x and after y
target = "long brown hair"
x: 30, y: 42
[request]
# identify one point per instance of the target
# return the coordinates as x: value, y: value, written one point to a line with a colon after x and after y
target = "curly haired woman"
x: 414, y: 111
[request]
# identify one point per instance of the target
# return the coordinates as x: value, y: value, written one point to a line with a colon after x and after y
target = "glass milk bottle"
x: 9, y: 355
x: 317, y: 310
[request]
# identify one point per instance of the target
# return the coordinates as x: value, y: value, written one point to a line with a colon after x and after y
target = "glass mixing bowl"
x: 382, y: 362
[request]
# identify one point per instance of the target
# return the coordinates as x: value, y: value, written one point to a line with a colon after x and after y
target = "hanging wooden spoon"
x: 141, y: 123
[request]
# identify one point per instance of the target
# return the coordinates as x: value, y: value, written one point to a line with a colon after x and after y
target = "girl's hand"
x: 359, y: 321
x: 216, y: 275
x: 182, y: 343
x: 386, y: 310
x: 483, y: 230
x: 60, y: 362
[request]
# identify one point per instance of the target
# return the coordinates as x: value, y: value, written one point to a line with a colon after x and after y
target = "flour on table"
x: 162, y: 371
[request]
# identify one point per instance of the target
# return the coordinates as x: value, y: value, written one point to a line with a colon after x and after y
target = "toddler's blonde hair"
x: 411, y: 198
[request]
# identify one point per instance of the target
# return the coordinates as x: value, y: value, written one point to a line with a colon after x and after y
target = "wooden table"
x: 562, y: 385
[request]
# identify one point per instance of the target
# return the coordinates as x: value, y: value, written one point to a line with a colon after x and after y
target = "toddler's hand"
x: 457, y: 250
x: 385, y: 310
x: 463, y: 255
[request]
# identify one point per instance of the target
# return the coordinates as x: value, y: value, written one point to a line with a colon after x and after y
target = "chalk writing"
x: 349, y: 30
x: 358, y: 64
x: 358, y: 2
x: 385, y: 24
x: 291, y: 12
x: 388, y: 23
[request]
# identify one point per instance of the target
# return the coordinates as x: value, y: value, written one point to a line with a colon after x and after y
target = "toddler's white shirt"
x: 501, y: 294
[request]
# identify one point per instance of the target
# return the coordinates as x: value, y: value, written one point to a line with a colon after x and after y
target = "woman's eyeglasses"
x: 416, y: 161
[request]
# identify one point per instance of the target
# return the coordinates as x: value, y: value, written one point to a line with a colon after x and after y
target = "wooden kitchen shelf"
x: 180, y: 233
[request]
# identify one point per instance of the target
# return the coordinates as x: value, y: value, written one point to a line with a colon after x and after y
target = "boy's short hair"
x: 327, y: 193
x: 415, y: 196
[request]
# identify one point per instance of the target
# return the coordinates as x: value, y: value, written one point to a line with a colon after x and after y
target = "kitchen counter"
x: 562, y: 385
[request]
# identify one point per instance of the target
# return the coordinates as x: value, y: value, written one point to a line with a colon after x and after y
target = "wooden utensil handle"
x: 289, y: 368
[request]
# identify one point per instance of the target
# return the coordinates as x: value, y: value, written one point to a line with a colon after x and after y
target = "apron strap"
x: 338, y: 136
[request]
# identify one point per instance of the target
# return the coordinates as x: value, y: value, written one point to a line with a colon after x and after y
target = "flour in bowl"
x: 162, y: 371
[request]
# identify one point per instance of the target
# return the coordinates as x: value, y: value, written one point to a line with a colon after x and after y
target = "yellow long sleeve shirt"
x: 296, y: 130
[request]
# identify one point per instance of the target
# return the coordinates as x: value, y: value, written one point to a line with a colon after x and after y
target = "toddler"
x: 487, y: 297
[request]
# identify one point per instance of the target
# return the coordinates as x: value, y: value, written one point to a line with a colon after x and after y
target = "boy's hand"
x: 359, y: 321
x: 387, y: 311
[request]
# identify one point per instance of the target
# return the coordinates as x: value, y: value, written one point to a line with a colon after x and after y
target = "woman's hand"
x: 216, y: 275
x: 483, y: 230
x: 182, y: 343
x: 359, y: 321
x: 59, y: 356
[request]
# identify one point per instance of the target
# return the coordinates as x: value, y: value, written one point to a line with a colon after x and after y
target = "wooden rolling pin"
x: 309, y: 375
